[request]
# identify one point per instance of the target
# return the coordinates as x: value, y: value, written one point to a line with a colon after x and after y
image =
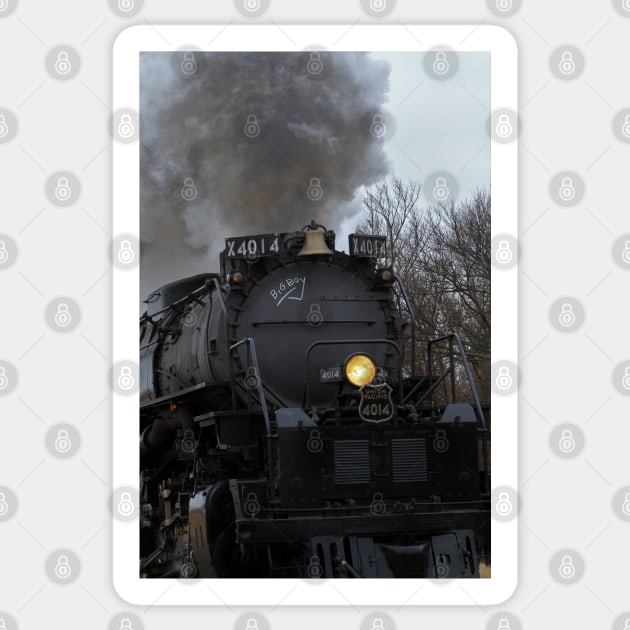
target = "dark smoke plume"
x: 245, y: 143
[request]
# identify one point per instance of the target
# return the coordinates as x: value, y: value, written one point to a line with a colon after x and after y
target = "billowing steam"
x: 245, y: 143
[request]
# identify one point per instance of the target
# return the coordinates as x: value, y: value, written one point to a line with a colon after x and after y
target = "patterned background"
x: 55, y: 363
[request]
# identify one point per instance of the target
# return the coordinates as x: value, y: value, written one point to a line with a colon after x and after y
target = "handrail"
x: 450, y: 338
x: 277, y: 400
x: 217, y: 287
x: 481, y: 419
x: 412, y: 320
x: 189, y: 296
x: 251, y: 348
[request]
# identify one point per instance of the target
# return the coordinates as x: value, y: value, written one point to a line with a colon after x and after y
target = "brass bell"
x: 314, y: 241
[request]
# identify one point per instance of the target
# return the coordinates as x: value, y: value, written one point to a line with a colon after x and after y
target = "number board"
x: 367, y: 246
x: 252, y: 247
x: 330, y: 375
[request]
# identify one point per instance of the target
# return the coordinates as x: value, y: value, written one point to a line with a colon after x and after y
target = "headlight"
x: 360, y: 370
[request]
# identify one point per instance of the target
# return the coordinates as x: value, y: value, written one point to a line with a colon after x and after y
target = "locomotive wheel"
x: 226, y: 555
x: 225, y: 552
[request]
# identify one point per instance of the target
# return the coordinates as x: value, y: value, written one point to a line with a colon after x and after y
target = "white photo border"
x: 504, y: 338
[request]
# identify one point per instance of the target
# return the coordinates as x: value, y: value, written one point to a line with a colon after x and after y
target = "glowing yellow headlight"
x: 360, y: 370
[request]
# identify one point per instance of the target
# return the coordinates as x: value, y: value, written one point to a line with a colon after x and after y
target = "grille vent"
x: 352, y: 461
x: 409, y: 459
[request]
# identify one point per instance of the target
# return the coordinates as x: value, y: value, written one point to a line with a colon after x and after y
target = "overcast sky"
x: 440, y: 125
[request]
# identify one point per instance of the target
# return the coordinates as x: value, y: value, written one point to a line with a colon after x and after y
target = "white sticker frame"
x: 504, y: 287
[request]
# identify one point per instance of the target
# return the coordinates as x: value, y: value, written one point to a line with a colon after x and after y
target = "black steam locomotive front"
x: 281, y: 435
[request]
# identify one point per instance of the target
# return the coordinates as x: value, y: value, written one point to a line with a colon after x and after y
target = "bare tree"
x: 442, y: 255
x: 389, y: 208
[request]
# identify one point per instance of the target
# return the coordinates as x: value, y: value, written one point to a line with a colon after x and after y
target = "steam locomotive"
x: 284, y: 434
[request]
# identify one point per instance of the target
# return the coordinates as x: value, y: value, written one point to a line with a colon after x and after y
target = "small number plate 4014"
x: 252, y: 247
x: 367, y: 246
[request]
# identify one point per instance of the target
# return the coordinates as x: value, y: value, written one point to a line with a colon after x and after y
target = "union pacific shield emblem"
x: 376, y: 403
